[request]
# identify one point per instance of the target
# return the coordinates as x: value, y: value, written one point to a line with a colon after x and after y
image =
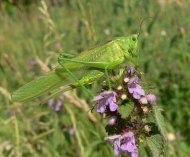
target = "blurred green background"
x: 33, y: 33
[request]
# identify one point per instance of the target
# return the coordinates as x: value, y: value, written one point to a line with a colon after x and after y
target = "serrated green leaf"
x: 149, y: 118
x: 142, y: 150
x: 160, y: 121
x: 155, y: 144
x: 126, y: 109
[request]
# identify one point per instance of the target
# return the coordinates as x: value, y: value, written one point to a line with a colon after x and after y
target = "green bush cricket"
x: 82, y: 69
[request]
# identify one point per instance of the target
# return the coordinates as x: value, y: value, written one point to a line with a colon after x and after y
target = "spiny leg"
x: 60, y: 59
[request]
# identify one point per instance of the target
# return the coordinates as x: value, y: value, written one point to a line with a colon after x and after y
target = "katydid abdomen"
x: 51, y: 80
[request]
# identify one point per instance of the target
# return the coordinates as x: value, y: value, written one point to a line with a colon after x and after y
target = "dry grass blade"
x: 4, y: 92
x: 81, y: 103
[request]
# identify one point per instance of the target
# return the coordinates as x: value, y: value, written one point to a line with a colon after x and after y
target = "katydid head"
x: 133, y: 43
x: 129, y: 46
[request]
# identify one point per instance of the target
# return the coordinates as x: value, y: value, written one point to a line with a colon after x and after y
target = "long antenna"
x: 142, y: 21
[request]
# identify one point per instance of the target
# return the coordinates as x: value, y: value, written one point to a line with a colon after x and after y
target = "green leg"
x: 68, y: 55
x: 60, y: 59
x: 108, y: 79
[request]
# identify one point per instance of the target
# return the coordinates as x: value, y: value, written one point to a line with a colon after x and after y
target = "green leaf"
x: 160, y: 121
x: 149, y: 118
x: 126, y: 109
x: 142, y: 149
x: 155, y: 144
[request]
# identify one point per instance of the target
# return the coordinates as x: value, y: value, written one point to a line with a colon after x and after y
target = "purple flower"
x: 124, y: 143
x: 112, y: 120
x: 58, y: 106
x: 58, y: 45
x: 134, y: 80
x: 116, y: 146
x: 62, y: 97
x: 58, y: 102
x: 32, y: 62
x: 51, y: 102
x: 151, y: 98
x: 104, y: 99
x: 115, y: 139
x: 130, y: 70
x: 134, y: 88
x: 128, y: 144
x: 71, y: 131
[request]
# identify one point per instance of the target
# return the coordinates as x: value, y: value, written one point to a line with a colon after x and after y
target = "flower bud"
x: 145, y: 109
x: 112, y: 120
x: 130, y: 70
x: 147, y: 128
x: 171, y: 136
x: 103, y: 115
x: 119, y: 87
x: 51, y: 102
x: 143, y: 100
x: 123, y: 96
x: 126, y: 79
x: 151, y: 98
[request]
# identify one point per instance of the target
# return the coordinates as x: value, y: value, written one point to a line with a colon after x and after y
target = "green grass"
x: 30, y: 129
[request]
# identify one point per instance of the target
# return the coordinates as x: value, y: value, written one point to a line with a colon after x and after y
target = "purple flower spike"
x: 151, y: 98
x: 107, y: 98
x: 124, y: 143
x: 58, y: 106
